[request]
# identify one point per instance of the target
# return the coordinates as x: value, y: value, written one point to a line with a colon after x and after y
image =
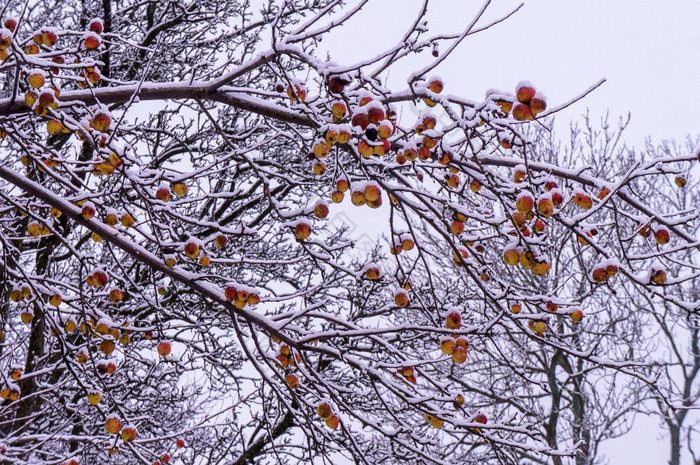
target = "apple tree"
x: 174, y: 291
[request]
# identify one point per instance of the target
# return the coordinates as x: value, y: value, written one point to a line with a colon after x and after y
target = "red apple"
x: 91, y: 41
x: 96, y: 26
x: 662, y: 236
x: 164, y: 348
x: 524, y: 92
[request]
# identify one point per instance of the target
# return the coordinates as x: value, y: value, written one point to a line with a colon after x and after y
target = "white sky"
x: 649, y: 51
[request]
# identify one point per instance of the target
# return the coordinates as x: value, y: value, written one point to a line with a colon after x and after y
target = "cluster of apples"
x: 407, y: 373
x: 36, y: 229
x: 295, y: 90
x: 362, y: 193
x: 165, y: 190
x: 661, y: 235
x: 286, y: 357
x: 102, y: 327
x: 325, y: 411
x: 436, y: 86
x: 20, y: 292
x: 528, y: 218
x: 111, y: 218
x: 455, y: 346
x: 241, y: 295
x: 105, y: 167
x: 403, y: 242
x: 113, y: 425
x: 97, y: 278
x: 604, y: 270
x: 530, y: 102
x: 425, y: 146
x: 332, y: 134
x: 9, y: 26
x: 10, y: 391
x: 43, y: 90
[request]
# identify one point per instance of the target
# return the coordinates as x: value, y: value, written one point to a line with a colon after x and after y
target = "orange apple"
x: 129, y: 433
x: 91, y: 41
x: 292, y: 381
x: 511, y: 256
x: 599, y: 275
x: 321, y: 210
x: 94, y: 397
x: 49, y: 37
x: 401, y: 299
x: 583, y: 200
x: 372, y: 192
x: 221, y: 241
x: 336, y: 84
x: 448, y: 345
x: 541, y: 266
x: 459, y: 355
x: 55, y: 299
x: 538, y: 104
x: 321, y: 149
x: 88, y: 211
x: 545, y: 206
x: 372, y: 273
x: 302, y: 230
x: 113, y: 424
x: 127, y: 220
x: 524, y: 203
x: 658, y: 277
x: 324, y: 410
x: 338, y: 110
x: 332, y: 422
x: 375, y: 113
x: 360, y: 119
x: 107, y: 345
x: 436, y: 85
x: 116, y: 295
x: 577, y: 316
x: 100, y: 278
x: 337, y: 196
x: 192, y: 249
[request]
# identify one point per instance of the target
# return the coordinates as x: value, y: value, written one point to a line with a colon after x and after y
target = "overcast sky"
x: 649, y: 52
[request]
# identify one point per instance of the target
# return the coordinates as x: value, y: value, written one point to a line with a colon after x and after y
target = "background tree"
x: 164, y: 244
